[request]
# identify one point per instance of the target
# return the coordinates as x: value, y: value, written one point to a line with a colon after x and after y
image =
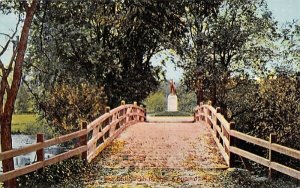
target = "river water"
x: 22, y: 140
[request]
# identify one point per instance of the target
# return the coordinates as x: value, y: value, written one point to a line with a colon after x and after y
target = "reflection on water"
x: 21, y: 140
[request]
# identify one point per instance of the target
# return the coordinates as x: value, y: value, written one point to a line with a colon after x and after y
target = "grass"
x: 29, y: 124
x: 177, y: 113
x: 20, y: 122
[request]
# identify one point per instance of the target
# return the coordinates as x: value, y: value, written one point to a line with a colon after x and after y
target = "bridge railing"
x: 103, y: 130
x: 225, y: 137
x: 93, y: 138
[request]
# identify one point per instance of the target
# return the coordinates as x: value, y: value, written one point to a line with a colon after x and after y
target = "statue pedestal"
x: 172, y: 103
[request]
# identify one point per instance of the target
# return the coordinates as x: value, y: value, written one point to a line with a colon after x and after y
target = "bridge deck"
x: 155, y: 154
x: 167, y: 145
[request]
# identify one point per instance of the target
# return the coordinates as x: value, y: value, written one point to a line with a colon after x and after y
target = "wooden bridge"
x: 205, y: 141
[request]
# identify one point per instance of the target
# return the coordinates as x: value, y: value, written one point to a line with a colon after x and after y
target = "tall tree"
x: 24, y: 101
x: 186, y: 99
x: 155, y: 102
x: 107, y: 43
x: 289, y: 58
x: 236, y: 42
x: 15, y: 67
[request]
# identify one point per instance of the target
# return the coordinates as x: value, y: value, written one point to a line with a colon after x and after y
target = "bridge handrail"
x: 111, y: 126
x: 113, y: 122
x: 225, y: 136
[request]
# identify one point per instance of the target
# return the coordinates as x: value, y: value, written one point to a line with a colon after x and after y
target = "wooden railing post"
x: 231, y: 143
x: 107, y: 121
x: 215, y: 119
x: 107, y: 109
x: 206, y: 112
x: 135, y: 111
x: 201, y: 110
x: 272, y: 139
x: 127, y: 113
x: 123, y: 112
x: 142, y: 118
x: 40, y: 153
x: 145, y: 114
x: 209, y: 102
x: 83, y: 141
x: 123, y: 102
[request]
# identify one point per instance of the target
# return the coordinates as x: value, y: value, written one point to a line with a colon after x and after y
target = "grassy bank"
x: 29, y: 124
x: 21, y: 122
x: 166, y: 113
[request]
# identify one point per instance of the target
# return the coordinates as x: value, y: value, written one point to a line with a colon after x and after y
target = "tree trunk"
x: 6, y: 144
x: 6, y: 115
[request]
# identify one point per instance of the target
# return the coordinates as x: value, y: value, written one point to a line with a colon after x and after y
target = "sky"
x: 7, y: 26
x: 283, y: 11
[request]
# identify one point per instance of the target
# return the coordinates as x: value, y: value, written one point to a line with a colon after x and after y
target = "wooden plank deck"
x: 165, y: 145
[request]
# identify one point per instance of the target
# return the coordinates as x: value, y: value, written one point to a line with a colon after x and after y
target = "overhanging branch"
x: 10, y: 37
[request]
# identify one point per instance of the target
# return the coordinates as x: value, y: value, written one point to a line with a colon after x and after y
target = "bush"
x: 59, y: 173
x: 271, y: 105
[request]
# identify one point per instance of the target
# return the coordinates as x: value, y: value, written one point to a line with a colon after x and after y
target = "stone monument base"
x: 172, y: 103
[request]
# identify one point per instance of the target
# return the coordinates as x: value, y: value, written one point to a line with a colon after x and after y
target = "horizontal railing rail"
x: 225, y: 136
x: 93, y: 138
x: 104, y: 129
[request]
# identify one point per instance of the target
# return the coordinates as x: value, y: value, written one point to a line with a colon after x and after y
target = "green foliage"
x: 228, y: 51
x: 290, y: 54
x: 186, y: 99
x: 52, y: 175
x: 110, y: 43
x: 234, y: 43
x: 270, y: 105
x: 244, y: 179
x: 155, y: 102
x: 66, y: 106
x: 24, y: 102
x: 24, y: 118
x: 30, y: 124
x: 107, y: 43
x: 21, y: 121
x: 275, y: 109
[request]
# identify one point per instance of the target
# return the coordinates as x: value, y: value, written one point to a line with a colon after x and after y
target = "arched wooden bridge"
x: 205, y: 141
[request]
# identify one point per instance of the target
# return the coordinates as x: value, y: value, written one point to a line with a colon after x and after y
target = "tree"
x: 269, y: 105
x: 186, y: 99
x: 107, y: 43
x: 236, y: 42
x: 155, y: 102
x: 289, y: 51
x: 24, y: 101
x: 15, y: 67
x: 67, y: 106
